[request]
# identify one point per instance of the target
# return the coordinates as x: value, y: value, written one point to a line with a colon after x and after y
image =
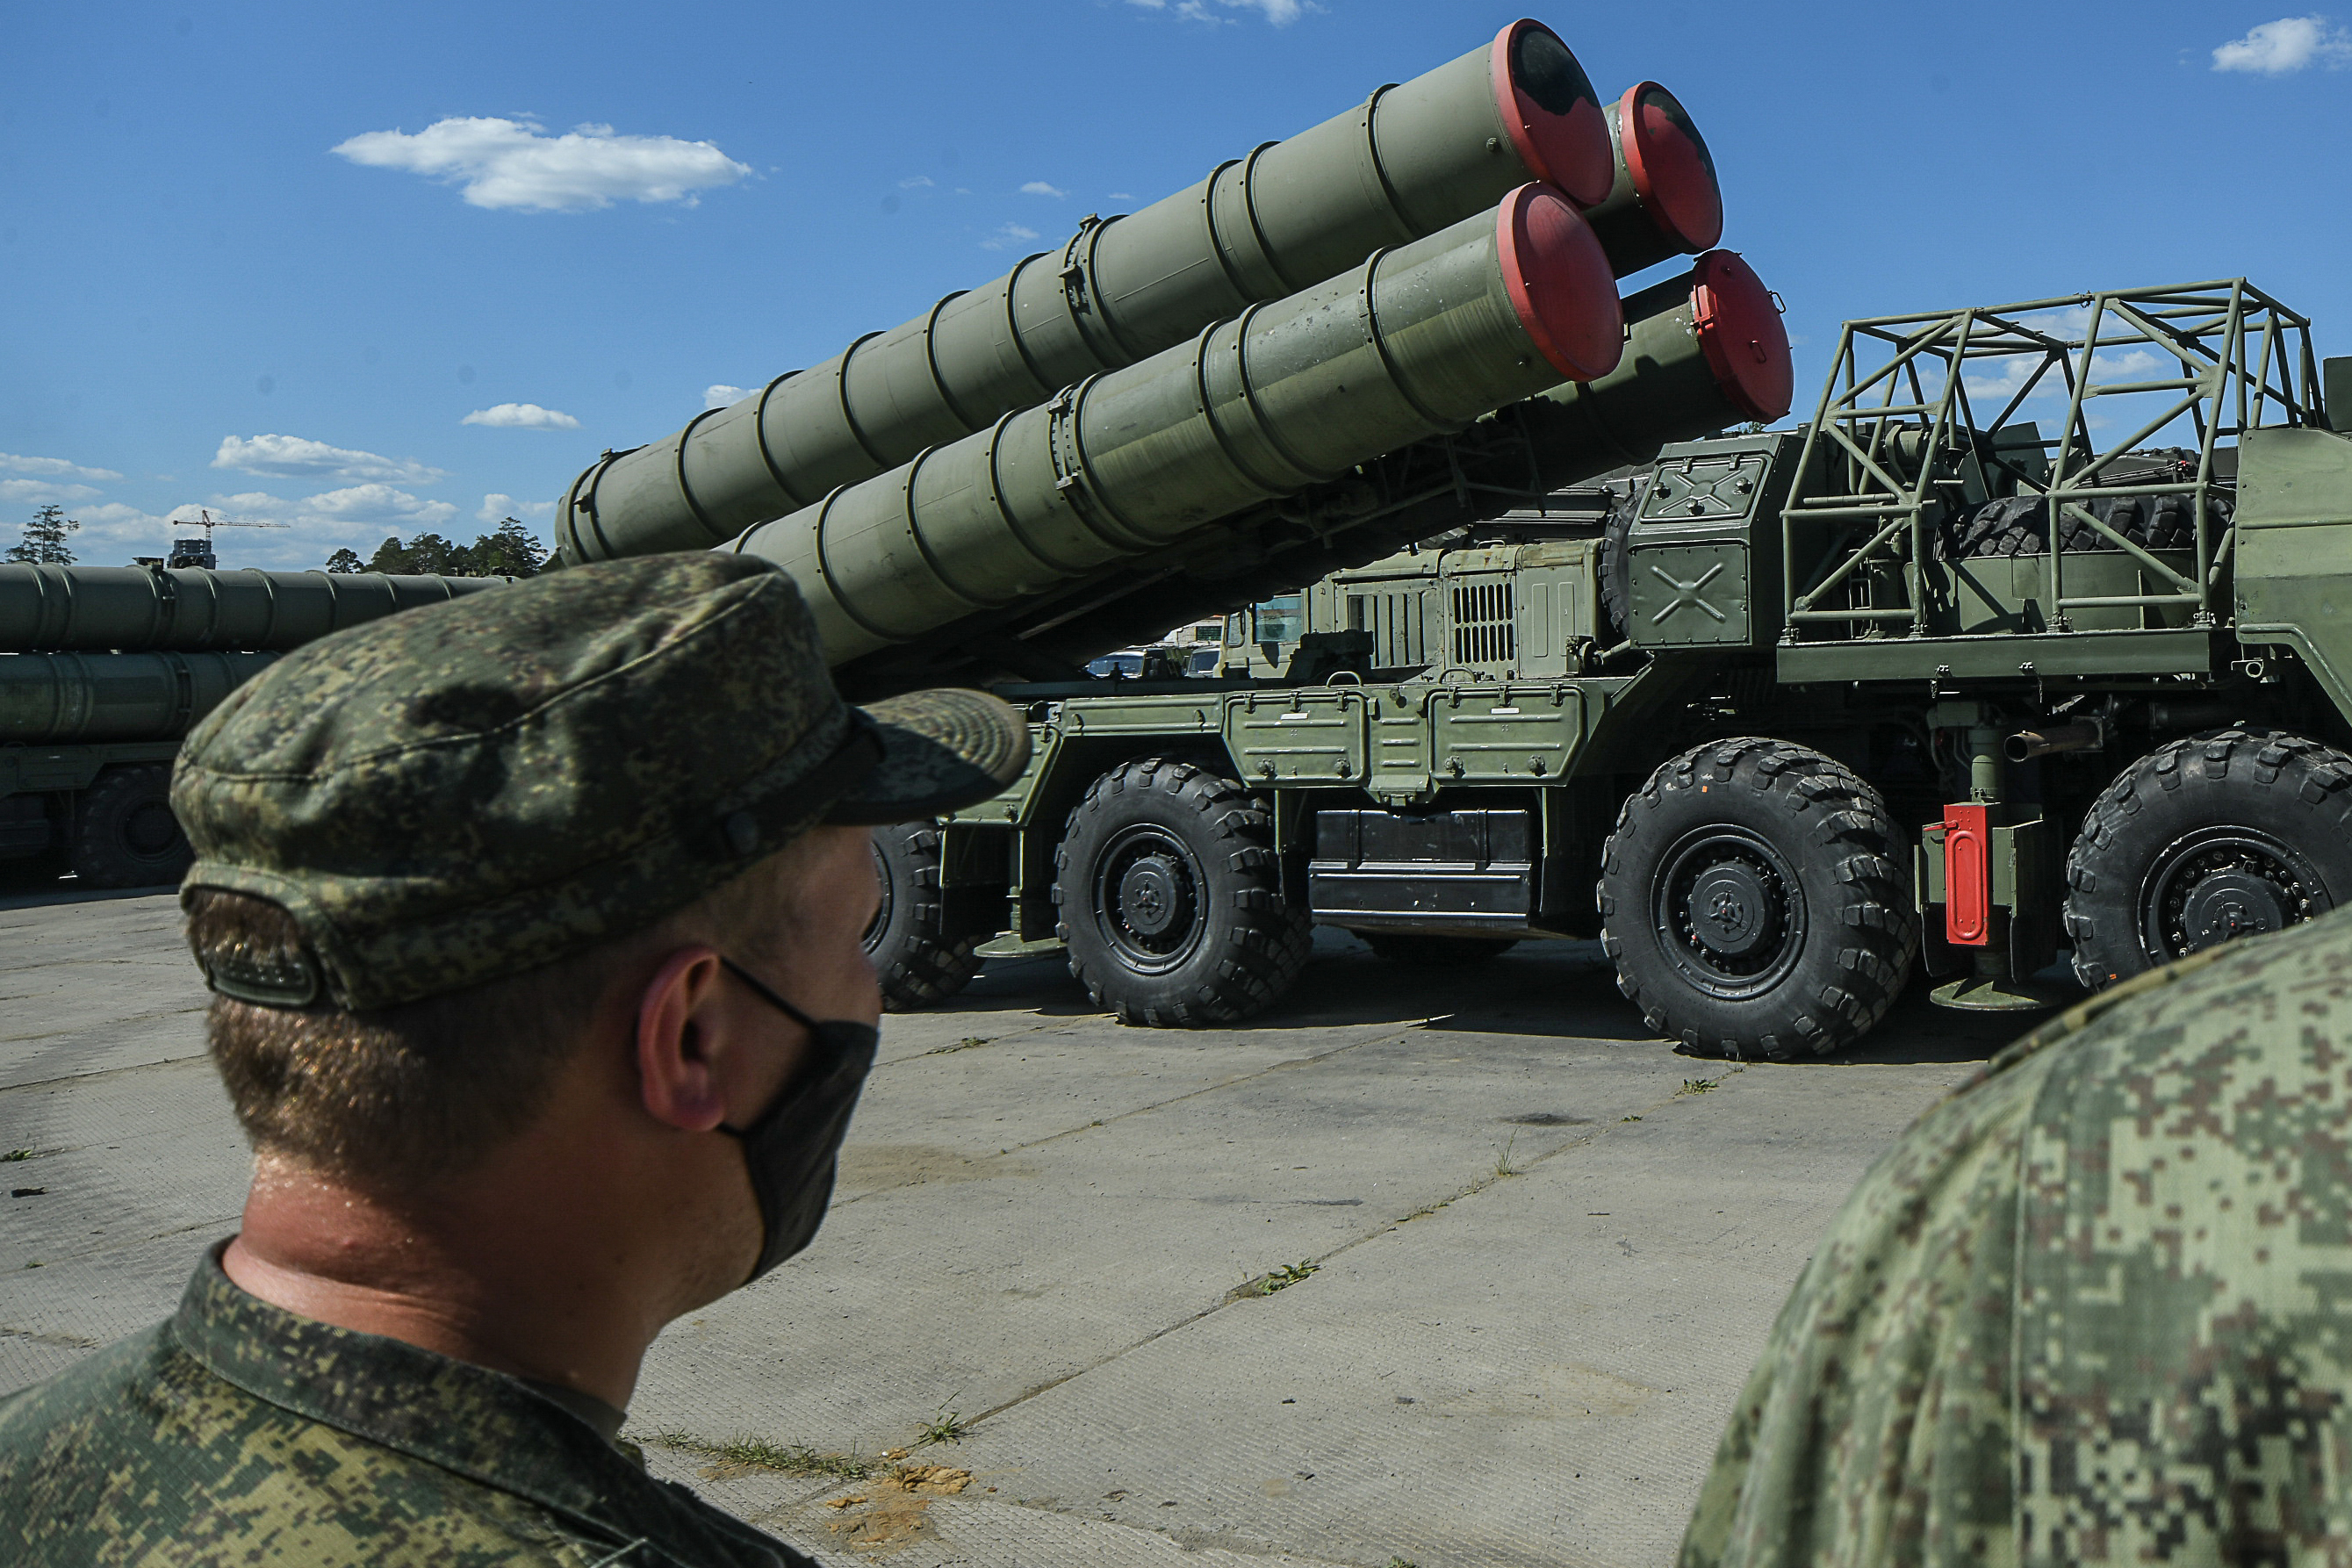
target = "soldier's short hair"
x: 397, y: 1098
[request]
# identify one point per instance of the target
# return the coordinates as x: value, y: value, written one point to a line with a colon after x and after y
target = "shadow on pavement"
x: 67, y: 891
x: 1540, y: 988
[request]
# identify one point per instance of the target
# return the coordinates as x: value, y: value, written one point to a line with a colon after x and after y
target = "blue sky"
x: 206, y: 304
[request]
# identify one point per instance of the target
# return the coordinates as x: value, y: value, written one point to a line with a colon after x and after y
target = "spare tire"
x: 2017, y: 525
x: 1617, y: 559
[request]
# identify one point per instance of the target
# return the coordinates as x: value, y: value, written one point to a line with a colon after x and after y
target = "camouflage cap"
x: 478, y: 788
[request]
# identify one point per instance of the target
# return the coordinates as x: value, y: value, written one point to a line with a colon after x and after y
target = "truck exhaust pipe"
x: 2075, y: 735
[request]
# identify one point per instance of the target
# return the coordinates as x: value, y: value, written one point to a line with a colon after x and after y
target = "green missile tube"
x: 1407, y: 163
x: 57, y: 698
x: 1705, y: 351
x: 1663, y: 199
x: 139, y: 609
x: 1417, y: 342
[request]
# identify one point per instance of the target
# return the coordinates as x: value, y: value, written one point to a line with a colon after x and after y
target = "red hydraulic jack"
x: 1983, y: 862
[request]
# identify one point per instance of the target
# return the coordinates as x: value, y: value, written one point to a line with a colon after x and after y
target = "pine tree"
x: 345, y: 561
x: 44, y: 541
x: 512, y: 551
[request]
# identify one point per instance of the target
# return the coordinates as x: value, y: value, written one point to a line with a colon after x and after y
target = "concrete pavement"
x: 1533, y: 1258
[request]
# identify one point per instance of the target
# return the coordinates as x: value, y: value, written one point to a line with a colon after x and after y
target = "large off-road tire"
x: 921, y: 952
x: 124, y: 833
x: 1423, y: 952
x: 2228, y: 834
x: 2020, y: 525
x: 1756, y: 899
x: 1171, y: 897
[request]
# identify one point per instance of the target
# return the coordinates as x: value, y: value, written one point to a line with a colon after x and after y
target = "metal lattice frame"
x: 2245, y: 360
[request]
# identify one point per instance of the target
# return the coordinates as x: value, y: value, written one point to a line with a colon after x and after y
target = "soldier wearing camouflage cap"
x: 2091, y: 1309
x: 534, y: 923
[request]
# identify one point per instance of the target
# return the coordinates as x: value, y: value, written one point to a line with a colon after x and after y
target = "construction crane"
x: 197, y: 549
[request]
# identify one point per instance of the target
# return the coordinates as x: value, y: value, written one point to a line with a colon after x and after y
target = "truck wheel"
x: 2227, y: 834
x: 1435, y: 951
x: 919, y: 954
x: 124, y: 833
x: 1171, y: 902
x: 1754, y: 899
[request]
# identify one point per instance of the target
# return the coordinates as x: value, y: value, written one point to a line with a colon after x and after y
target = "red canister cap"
x: 1738, y: 323
x: 1672, y: 171
x: 1559, y: 283
x: 1553, y: 115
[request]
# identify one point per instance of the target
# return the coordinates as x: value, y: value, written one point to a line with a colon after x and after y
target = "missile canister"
x: 136, y: 607
x: 1703, y: 351
x: 1665, y: 199
x: 1706, y: 350
x: 80, y: 697
x: 1408, y: 163
x: 1418, y: 340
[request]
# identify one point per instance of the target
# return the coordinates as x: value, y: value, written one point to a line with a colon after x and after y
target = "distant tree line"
x: 512, y: 551
x: 43, y: 542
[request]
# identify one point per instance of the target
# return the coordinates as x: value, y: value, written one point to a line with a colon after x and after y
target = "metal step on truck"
x: 1921, y: 681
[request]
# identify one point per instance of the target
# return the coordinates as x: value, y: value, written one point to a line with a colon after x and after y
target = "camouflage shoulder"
x: 2183, y: 1385
x: 1874, y: 1425
x: 140, y: 1453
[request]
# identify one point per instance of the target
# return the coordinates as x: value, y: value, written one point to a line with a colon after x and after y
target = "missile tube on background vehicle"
x: 61, y: 697
x: 1408, y: 163
x: 1703, y: 351
x: 138, y: 607
x: 1419, y: 340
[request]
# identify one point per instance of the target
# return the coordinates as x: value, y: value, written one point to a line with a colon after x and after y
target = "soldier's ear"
x: 679, y: 1079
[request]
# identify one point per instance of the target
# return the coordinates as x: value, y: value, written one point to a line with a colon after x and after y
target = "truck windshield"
x: 1282, y: 618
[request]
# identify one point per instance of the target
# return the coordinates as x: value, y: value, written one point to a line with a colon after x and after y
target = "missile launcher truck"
x: 1778, y: 717
x: 103, y: 669
x: 1915, y: 684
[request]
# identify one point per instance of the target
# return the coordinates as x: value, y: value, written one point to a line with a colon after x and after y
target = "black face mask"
x: 791, y: 1149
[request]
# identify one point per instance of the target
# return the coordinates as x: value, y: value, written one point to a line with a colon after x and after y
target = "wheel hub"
x: 2231, y: 903
x: 1727, y: 908
x: 1151, y: 896
x: 2222, y: 883
x: 1148, y: 898
x: 881, y: 920
x: 1731, y: 912
x: 151, y: 831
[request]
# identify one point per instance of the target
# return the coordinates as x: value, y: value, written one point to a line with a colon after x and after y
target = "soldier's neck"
x: 527, y: 1299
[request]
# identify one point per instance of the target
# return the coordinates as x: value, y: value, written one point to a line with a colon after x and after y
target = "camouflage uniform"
x: 441, y: 799
x: 2092, y: 1308
x: 239, y: 1433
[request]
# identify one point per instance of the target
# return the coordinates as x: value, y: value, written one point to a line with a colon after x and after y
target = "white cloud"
x: 521, y: 416
x: 498, y: 506
x: 52, y: 468
x: 1281, y: 13
x: 1039, y: 188
x: 298, y: 458
x: 43, y: 492
x: 1007, y: 235
x: 719, y: 395
x: 916, y: 182
x: 369, y: 505
x: 511, y: 164
x: 2135, y: 365
x: 2285, y: 45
